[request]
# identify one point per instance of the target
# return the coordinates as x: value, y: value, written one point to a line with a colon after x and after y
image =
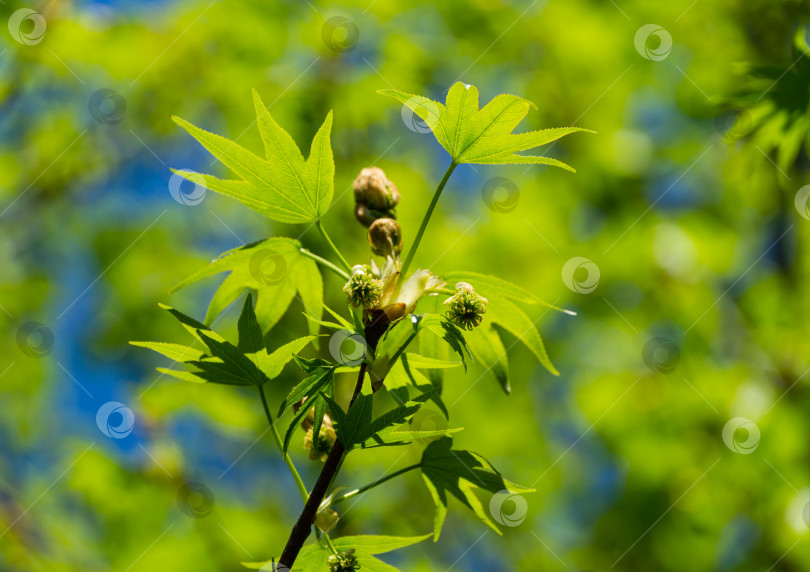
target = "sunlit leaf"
x: 488, y: 349
x: 276, y: 270
x: 484, y: 136
x: 283, y: 186
x: 313, y: 557
x: 458, y: 472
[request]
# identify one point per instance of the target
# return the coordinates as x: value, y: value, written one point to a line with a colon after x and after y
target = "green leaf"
x: 283, y: 186
x: 182, y: 375
x: 251, y: 339
x: 275, y: 362
x: 506, y: 314
x: 175, y: 352
x: 446, y: 330
x: 404, y: 375
x: 310, y: 365
x: 424, y: 362
x: 433, y: 346
x: 487, y: 347
x: 393, y: 417
x: 312, y: 401
x: 483, y: 136
x: 357, y: 423
x: 459, y: 472
x: 343, y: 321
x: 190, y: 324
x: 229, y: 365
x: 493, y: 287
x: 309, y: 387
x: 276, y: 270
x: 313, y: 557
x: 391, y: 436
x: 325, y: 323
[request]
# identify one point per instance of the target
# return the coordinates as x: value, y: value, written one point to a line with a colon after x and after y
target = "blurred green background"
x: 689, y: 203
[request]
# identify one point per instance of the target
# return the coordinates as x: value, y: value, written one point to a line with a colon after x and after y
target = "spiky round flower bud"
x: 385, y: 237
x: 373, y: 189
x: 466, y: 308
x: 362, y: 289
x: 319, y: 448
x: 344, y: 561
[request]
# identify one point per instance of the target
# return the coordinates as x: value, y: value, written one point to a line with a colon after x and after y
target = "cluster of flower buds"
x: 319, y: 447
x: 363, y: 289
x: 466, y: 308
x: 344, y: 561
x: 374, y: 196
x: 375, y: 199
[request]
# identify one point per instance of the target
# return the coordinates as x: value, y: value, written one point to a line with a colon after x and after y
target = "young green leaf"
x: 424, y: 362
x: 273, y: 363
x: 311, y: 365
x: 458, y: 472
x: 229, y: 365
x: 492, y: 286
x: 315, y: 383
x: 251, y: 339
x: 446, y: 330
x: 356, y: 424
x: 313, y: 557
x: 504, y: 313
x: 483, y: 136
x: 393, y: 437
x: 433, y: 346
x: 174, y: 352
x: 487, y: 347
x: 404, y: 375
x: 284, y: 186
x: 276, y: 270
x: 393, y: 417
x: 191, y: 325
x: 298, y: 417
x: 182, y: 375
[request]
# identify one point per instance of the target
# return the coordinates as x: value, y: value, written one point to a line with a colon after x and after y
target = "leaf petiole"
x: 426, y: 218
x: 324, y: 263
x: 331, y: 244
x: 376, y: 483
x: 277, y: 438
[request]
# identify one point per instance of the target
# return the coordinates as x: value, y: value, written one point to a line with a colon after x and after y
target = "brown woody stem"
x: 303, y: 525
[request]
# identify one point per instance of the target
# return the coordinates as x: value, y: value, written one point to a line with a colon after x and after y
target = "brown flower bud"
x: 385, y: 237
x: 366, y: 216
x: 373, y: 189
